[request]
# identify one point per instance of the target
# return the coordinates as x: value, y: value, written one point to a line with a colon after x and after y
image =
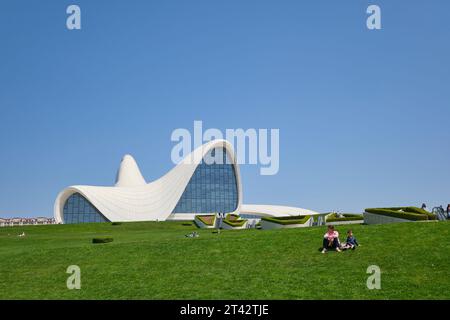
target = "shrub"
x: 407, y: 213
x: 208, y: 220
x: 102, y: 240
x: 116, y: 223
x: 287, y: 220
x: 187, y: 224
x: 347, y: 217
x: 408, y: 209
x: 232, y: 217
x: 234, y: 221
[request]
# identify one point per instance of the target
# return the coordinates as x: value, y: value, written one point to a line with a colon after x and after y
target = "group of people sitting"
x: 331, y: 241
x: 193, y: 234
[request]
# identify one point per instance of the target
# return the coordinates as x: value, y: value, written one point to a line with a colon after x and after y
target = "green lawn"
x: 153, y: 260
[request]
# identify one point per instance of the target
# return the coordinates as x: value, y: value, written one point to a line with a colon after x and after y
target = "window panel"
x: 78, y: 209
x: 212, y: 188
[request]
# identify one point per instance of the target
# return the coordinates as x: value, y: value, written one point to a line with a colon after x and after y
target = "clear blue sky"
x: 364, y: 116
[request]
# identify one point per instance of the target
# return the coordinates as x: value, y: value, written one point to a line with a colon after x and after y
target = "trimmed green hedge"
x: 102, y: 240
x: 204, y: 221
x: 234, y: 223
x: 187, y: 224
x: 416, y: 210
x: 287, y: 220
x: 347, y: 217
x: 407, y: 213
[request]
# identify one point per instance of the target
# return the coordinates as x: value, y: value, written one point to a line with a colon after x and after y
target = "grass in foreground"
x: 154, y: 260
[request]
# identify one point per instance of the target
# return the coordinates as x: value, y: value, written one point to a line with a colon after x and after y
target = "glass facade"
x: 212, y: 188
x: 78, y: 210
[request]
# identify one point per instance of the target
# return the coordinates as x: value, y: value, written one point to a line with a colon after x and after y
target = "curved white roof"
x: 132, y: 199
x: 129, y: 174
x: 275, y: 211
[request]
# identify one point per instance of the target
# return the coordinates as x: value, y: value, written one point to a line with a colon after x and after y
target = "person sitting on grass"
x: 351, y: 242
x: 193, y: 234
x: 331, y: 240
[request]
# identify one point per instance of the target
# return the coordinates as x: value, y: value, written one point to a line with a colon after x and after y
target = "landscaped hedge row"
x: 347, y: 217
x: 102, y: 240
x: 416, y: 210
x: 287, y: 220
x: 407, y: 213
x: 232, y: 217
x: 201, y: 218
x: 234, y: 220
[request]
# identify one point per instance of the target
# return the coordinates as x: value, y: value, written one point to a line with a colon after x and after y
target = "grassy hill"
x: 154, y: 260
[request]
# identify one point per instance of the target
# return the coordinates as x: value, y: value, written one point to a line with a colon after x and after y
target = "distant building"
x: 11, y: 222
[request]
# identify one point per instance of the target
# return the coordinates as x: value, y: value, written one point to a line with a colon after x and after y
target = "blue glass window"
x: 78, y: 209
x: 212, y: 188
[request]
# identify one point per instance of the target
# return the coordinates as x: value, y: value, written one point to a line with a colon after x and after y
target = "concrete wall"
x: 271, y: 225
x: 337, y: 223
x: 371, y: 218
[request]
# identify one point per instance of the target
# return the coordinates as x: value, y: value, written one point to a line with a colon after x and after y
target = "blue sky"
x: 364, y: 116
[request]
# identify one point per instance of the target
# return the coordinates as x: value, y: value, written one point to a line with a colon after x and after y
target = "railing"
x: 440, y: 213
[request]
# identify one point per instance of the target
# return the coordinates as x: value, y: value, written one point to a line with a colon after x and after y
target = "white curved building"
x: 206, y: 181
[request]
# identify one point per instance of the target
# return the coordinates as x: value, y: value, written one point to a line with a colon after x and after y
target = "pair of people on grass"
x: 331, y: 241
